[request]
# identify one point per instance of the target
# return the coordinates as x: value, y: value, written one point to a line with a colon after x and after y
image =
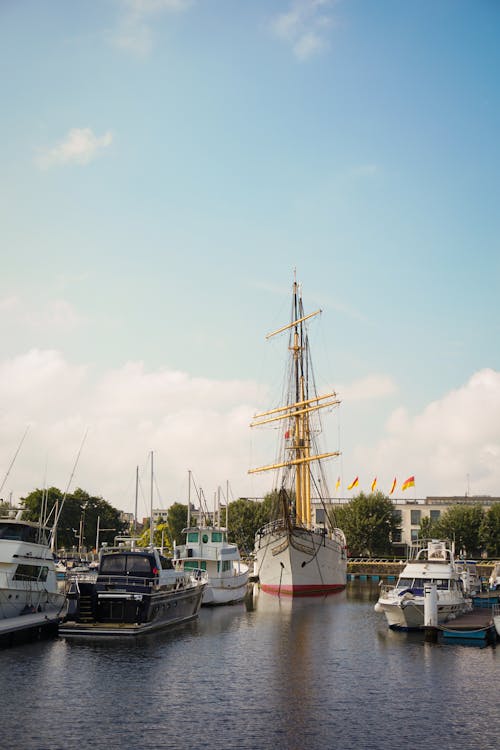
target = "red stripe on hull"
x: 304, y: 590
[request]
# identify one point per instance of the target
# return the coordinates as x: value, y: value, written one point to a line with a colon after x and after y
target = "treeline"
x: 371, y: 521
x: 79, y: 515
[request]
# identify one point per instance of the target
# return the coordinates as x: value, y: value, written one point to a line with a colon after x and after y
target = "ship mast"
x: 297, y: 412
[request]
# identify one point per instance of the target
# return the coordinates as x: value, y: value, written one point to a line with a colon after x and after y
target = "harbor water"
x: 271, y: 673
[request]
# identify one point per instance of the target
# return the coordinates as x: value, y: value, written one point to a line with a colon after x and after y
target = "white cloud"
x: 55, y: 314
x: 452, y: 442
x: 305, y: 26
x: 370, y: 387
x: 134, y: 32
x: 189, y: 423
x: 79, y: 146
x: 203, y: 425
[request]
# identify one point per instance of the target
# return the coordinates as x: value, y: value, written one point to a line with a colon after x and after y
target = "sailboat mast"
x: 301, y: 431
x: 151, y: 523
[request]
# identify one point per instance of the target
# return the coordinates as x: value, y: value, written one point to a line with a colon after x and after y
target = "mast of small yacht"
x: 151, y: 521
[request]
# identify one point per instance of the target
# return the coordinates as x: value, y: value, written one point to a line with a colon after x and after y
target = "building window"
x: 435, y: 515
x: 396, y: 537
x: 414, y: 535
x: 398, y: 518
x: 415, y: 517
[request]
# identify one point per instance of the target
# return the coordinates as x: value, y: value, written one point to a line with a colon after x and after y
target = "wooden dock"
x: 30, y: 627
x: 475, y: 628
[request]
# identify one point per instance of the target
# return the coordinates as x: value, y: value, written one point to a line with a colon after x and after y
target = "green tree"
x: 368, y: 521
x: 246, y: 516
x: 462, y: 524
x: 428, y: 528
x: 177, y: 516
x: 489, y: 531
x: 80, y: 512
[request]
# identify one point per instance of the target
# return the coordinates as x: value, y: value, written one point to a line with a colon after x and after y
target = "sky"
x: 168, y: 165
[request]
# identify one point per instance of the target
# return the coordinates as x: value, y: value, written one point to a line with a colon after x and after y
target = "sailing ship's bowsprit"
x: 294, y: 555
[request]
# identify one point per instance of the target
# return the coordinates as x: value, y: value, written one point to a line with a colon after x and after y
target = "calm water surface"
x: 277, y: 674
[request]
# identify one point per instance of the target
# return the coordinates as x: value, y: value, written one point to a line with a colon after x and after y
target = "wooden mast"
x: 298, y: 412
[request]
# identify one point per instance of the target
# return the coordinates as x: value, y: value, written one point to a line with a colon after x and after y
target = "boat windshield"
x: 132, y: 565
x: 418, y: 583
x: 19, y: 532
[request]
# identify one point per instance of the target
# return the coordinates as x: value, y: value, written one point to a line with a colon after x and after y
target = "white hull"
x: 228, y: 589
x: 403, y: 604
x: 409, y: 615
x: 300, y: 563
x: 207, y: 549
x: 28, y: 581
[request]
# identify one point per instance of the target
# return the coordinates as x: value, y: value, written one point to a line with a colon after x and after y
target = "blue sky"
x: 166, y: 164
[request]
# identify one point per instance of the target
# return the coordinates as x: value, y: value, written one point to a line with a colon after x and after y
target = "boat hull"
x: 409, y: 615
x: 129, y: 612
x: 227, y: 590
x: 300, y: 562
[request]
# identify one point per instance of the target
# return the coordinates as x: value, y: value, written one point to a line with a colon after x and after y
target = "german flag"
x: 354, y: 483
x: 374, y: 484
x: 393, y: 486
x: 410, y: 482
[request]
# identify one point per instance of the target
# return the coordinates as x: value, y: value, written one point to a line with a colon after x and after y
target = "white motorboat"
x: 432, y: 563
x: 28, y: 583
x: 207, y: 549
x: 294, y: 554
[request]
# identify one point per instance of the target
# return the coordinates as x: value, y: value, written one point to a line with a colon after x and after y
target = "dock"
x: 471, y: 628
x: 34, y: 626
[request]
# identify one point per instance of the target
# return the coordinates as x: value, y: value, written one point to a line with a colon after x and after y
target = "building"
x: 411, y: 512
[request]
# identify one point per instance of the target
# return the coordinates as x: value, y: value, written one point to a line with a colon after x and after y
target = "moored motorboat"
x: 135, y: 591
x: 432, y: 563
x: 295, y: 555
x: 28, y: 583
x: 207, y: 549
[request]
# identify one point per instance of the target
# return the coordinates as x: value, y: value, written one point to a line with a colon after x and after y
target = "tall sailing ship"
x: 295, y: 554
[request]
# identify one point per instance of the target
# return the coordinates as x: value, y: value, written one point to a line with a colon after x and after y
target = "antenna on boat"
x: 15, y: 456
x: 59, y: 510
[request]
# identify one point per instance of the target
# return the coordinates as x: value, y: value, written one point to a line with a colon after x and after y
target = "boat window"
x: 113, y: 565
x: 166, y: 563
x: 195, y: 565
x: 138, y: 565
x: 31, y: 573
x: 441, y: 583
x: 192, y: 536
x: 205, y: 538
x: 10, y: 531
x: 419, y: 583
x: 217, y: 536
x: 404, y: 583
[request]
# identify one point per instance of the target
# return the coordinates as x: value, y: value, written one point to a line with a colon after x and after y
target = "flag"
x: 410, y: 482
x: 337, y: 485
x: 393, y: 486
x: 374, y: 484
x: 354, y: 483
x: 287, y: 434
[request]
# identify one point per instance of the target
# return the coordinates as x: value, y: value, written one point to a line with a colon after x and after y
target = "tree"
x: 177, y: 516
x: 245, y: 517
x: 79, y: 514
x: 489, y: 531
x: 462, y: 524
x: 428, y: 528
x: 368, y: 521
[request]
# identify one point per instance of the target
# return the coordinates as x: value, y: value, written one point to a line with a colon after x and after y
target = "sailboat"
x: 294, y: 554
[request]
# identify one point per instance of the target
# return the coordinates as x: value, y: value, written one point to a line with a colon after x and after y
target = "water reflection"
x: 273, y: 672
